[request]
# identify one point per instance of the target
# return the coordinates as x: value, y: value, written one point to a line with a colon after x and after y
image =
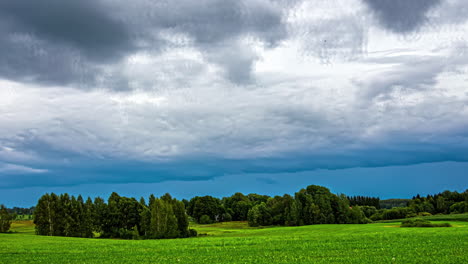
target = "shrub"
x: 357, y: 216
x: 192, y: 233
x: 368, y: 210
x: 126, y: 234
x: 226, y: 217
x: 424, y: 214
x: 411, y: 215
x: 259, y: 215
x: 397, y: 213
x: 459, y: 208
x: 205, y: 219
x: 418, y: 222
x: 376, y: 217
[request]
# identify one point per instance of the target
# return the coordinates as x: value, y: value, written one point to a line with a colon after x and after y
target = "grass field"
x: 234, y: 242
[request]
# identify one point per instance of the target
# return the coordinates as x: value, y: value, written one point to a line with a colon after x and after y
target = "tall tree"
x: 100, y: 215
x: 88, y: 218
x: 182, y: 218
x: 259, y: 215
x: 163, y: 221
x: 45, y: 215
x: 206, y: 205
x: 5, y: 219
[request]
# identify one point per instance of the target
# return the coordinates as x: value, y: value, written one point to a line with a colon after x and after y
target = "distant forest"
x: 166, y: 217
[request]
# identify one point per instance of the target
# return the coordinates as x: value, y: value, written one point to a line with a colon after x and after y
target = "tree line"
x: 19, y: 213
x: 312, y: 205
x: 120, y: 217
x: 364, y: 201
x: 317, y: 205
x: 446, y: 202
x: 390, y: 203
x: 166, y: 217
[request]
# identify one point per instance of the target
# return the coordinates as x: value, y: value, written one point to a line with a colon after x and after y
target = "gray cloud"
x: 217, y: 28
x: 84, y: 25
x: 63, y: 42
x: 14, y: 169
x: 59, y: 42
x: 409, y: 73
x: 401, y: 16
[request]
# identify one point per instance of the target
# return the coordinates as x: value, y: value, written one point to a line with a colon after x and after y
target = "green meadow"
x: 235, y: 242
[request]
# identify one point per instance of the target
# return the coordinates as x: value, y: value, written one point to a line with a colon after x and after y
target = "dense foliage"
x: 317, y: 205
x: 5, y: 219
x: 390, y: 203
x: 364, y: 201
x: 165, y: 217
x: 120, y: 217
x: 446, y: 202
x: 313, y: 205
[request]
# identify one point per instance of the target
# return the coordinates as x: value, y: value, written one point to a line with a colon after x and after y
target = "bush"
x: 424, y: 214
x: 126, y: 234
x: 192, y: 233
x: 259, y: 215
x: 368, y: 210
x: 376, y: 217
x: 226, y: 217
x: 397, y: 213
x: 418, y: 222
x: 357, y: 216
x: 205, y: 219
x: 459, y: 208
x: 411, y: 215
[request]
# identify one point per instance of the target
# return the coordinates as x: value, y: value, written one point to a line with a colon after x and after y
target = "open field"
x: 234, y: 242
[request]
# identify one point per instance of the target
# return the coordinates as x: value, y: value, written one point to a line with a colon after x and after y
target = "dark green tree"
x: 163, y: 221
x: 259, y: 215
x: 206, y: 205
x: 238, y: 205
x: 291, y: 211
x: 5, y: 219
x: 88, y: 218
x: 182, y: 218
x: 100, y: 215
x: 45, y: 216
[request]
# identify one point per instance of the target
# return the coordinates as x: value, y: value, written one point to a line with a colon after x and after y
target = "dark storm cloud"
x: 67, y: 42
x: 212, y: 21
x: 401, y: 16
x: 217, y: 25
x: 58, y: 42
x: 83, y: 24
x: 71, y: 168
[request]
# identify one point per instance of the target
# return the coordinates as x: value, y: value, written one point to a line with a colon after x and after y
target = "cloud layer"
x: 182, y: 90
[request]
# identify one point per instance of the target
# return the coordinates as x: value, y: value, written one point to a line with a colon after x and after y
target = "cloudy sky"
x: 217, y: 96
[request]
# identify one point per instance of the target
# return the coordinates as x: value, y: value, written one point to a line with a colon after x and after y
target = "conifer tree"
x: 5, y: 219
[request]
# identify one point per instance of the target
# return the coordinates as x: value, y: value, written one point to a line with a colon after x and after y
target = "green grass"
x: 23, y: 227
x: 235, y: 242
x: 450, y: 217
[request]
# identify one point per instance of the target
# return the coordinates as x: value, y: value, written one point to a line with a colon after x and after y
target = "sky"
x: 212, y: 97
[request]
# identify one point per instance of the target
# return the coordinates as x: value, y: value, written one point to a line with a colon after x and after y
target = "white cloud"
x: 8, y: 168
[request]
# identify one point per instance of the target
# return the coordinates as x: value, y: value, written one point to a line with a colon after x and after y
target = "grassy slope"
x: 234, y: 242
